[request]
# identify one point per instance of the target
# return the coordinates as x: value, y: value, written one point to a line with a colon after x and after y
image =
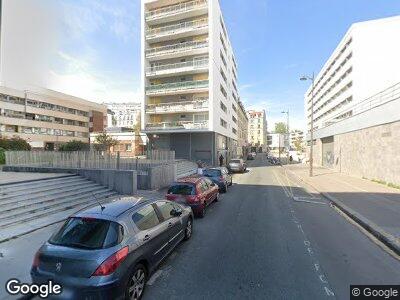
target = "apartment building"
x: 189, y: 80
x: 365, y: 62
x: 243, y: 127
x: 47, y: 118
x: 257, y: 128
x: 123, y: 114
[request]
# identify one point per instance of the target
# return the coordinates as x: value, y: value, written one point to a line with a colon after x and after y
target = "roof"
x: 113, y: 208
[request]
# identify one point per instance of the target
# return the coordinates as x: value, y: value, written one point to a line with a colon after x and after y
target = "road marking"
x: 154, y: 277
x: 308, y: 201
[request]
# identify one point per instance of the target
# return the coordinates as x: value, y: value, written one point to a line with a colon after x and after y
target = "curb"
x: 387, y: 239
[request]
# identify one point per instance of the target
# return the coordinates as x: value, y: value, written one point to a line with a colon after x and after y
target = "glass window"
x: 146, y: 218
x: 88, y: 233
x: 212, y: 172
x: 165, y: 209
x: 182, y: 189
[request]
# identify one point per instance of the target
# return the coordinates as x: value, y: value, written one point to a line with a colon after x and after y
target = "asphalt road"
x: 269, y: 238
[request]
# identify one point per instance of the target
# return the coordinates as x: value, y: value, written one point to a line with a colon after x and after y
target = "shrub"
x: 74, y: 146
x: 14, y: 143
x: 2, y: 156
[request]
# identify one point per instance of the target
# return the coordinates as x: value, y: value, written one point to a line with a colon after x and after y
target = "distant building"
x: 46, y: 119
x: 123, y: 114
x: 243, y: 129
x: 278, y: 141
x: 257, y: 128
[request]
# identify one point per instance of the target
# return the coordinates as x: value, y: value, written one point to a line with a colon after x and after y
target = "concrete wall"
x: 371, y: 153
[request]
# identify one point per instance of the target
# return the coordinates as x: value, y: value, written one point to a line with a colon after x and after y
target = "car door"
x: 150, y: 231
x: 210, y: 190
x: 174, y: 234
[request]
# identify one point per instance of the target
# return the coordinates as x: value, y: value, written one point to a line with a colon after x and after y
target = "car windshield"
x: 235, y: 161
x: 88, y: 233
x: 182, y: 189
x: 212, y: 172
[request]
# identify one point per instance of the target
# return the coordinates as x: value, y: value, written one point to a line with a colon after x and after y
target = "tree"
x: 298, y: 144
x: 74, y: 146
x: 280, y: 127
x: 14, y: 143
x: 104, y: 142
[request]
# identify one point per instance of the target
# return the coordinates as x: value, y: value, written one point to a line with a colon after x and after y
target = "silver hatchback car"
x: 108, y: 251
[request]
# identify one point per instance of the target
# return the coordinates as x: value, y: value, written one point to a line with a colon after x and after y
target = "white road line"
x: 154, y: 277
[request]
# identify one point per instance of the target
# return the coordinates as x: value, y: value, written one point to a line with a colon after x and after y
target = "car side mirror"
x: 175, y: 213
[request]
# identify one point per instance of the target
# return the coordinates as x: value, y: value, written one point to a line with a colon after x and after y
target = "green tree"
x: 2, y: 156
x: 298, y: 144
x: 74, y: 146
x: 280, y: 127
x: 15, y: 143
x: 104, y: 142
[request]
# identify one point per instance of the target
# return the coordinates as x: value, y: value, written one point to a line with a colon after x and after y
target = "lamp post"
x: 312, y: 78
x: 288, y: 134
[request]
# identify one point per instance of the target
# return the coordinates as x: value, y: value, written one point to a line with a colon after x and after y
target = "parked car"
x: 109, y: 251
x: 220, y: 176
x: 237, y: 165
x: 197, y: 192
x: 251, y: 156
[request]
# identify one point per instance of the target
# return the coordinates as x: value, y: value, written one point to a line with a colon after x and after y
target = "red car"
x: 197, y: 192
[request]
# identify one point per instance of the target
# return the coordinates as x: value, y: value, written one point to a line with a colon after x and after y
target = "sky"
x: 275, y: 42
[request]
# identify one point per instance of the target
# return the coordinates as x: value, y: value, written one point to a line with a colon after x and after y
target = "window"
x: 146, y: 218
x: 234, y: 119
x: 223, y: 92
x: 234, y: 107
x: 223, y: 123
x: 223, y: 107
x: 88, y: 233
x: 212, y: 172
x: 182, y: 189
x: 165, y: 209
x: 128, y: 147
x: 234, y: 130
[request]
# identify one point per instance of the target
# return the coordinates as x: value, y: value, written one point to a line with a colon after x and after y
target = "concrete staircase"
x: 27, y: 206
x: 185, y: 168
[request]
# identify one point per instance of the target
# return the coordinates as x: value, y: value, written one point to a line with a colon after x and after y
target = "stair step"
x: 16, y: 185
x: 35, y: 180
x: 43, y: 212
x: 11, y: 207
x: 36, y: 223
x: 46, y: 189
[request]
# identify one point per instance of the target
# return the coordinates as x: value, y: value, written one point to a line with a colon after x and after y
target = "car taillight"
x: 36, y: 260
x: 111, y: 264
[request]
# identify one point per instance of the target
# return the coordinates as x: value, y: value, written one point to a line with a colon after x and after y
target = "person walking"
x: 221, y: 160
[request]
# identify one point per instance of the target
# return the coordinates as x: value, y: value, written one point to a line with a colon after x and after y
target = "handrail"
x: 193, y: 63
x: 169, y: 10
x: 174, y: 27
x: 178, y: 85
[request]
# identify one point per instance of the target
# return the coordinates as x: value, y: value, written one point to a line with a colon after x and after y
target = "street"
x: 259, y: 243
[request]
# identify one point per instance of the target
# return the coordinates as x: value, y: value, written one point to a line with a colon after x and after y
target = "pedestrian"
x: 221, y: 160
x: 290, y: 159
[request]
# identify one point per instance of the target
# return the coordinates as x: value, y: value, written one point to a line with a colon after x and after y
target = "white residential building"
x: 189, y: 79
x: 257, y: 128
x: 123, y: 114
x: 365, y: 62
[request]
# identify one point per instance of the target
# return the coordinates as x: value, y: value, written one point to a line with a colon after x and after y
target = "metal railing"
x: 175, y: 28
x: 174, y: 9
x: 387, y: 95
x: 88, y: 159
x: 176, y: 86
x: 195, y: 64
x: 177, y: 125
x: 181, y: 47
x: 196, y: 104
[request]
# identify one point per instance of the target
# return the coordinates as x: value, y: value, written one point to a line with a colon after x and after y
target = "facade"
x: 357, y: 111
x: 364, y: 63
x: 189, y: 80
x: 130, y: 144
x: 257, y: 128
x: 243, y: 127
x: 123, y: 114
x: 278, y: 141
x: 296, y: 135
x: 46, y: 118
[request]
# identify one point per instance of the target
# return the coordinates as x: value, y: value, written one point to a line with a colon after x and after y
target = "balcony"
x: 197, y: 105
x: 179, y: 30
x: 193, y: 66
x: 176, y: 50
x: 177, y: 126
x: 184, y: 87
x: 177, y: 11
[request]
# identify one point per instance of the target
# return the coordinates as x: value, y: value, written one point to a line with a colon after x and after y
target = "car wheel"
x: 202, y: 212
x: 189, y: 229
x: 230, y: 184
x: 136, y: 283
x: 216, y: 198
x: 224, y: 190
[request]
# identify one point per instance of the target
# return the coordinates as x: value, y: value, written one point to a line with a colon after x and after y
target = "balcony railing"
x: 176, y: 28
x: 195, y: 64
x: 196, y: 104
x: 176, y: 48
x: 176, y: 86
x: 175, y: 9
x: 177, y: 125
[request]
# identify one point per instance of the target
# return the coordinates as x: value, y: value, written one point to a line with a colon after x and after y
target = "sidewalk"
x: 374, y: 206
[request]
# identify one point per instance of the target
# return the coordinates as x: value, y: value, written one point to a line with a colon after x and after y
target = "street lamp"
x: 312, y: 78
x: 288, y: 133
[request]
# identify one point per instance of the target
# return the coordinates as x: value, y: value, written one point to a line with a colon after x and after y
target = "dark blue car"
x: 220, y: 176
